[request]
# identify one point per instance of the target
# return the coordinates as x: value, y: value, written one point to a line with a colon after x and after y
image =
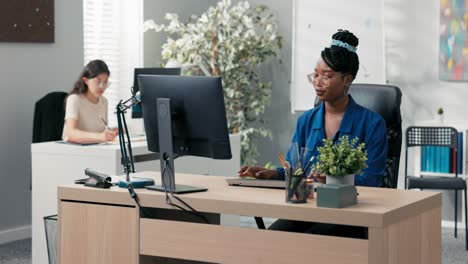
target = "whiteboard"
x: 314, y: 23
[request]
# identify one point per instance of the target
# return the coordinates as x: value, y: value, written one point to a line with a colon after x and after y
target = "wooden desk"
x: 104, y: 226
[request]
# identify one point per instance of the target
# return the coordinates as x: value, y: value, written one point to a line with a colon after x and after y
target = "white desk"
x: 55, y: 164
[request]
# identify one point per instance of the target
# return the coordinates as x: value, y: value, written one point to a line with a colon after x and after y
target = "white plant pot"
x: 347, y: 179
x: 440, y: 118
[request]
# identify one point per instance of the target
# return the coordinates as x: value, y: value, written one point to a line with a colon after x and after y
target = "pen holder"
x: 296, y: 188
x: 310, y: 189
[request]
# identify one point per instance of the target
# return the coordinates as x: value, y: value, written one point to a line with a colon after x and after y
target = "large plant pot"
x: 347, y: 179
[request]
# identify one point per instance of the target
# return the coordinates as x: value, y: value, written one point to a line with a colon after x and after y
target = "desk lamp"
x: 126, y: 146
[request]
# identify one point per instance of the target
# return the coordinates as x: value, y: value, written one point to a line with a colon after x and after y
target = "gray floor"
x: 17, y: 252
x: 453, y: 250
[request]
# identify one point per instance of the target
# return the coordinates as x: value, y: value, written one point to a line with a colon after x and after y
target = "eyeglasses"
x: 312, y: 77
x: 102, y: 84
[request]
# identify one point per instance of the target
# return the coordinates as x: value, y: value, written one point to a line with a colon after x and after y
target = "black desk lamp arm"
x: 126, y: 152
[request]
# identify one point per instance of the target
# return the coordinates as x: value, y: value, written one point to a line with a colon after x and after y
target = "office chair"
x: 384, y: 100
x: 441, y: 137
x: 49, y: 114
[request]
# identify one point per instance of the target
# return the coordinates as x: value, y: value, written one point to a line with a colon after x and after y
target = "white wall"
x: 412, y: 50
x: 27, y: 72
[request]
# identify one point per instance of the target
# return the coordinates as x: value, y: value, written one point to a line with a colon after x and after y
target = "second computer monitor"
x: 152, y: 71
x: 136, y: 109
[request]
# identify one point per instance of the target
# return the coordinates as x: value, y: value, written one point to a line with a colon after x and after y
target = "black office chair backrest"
x: 49, y: 114
x: 431, y: 136
x: 419, y: 136
x: 384, y: 100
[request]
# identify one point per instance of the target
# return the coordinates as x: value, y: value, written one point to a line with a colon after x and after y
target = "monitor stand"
x: 166, y: 153
x: 179, y: 189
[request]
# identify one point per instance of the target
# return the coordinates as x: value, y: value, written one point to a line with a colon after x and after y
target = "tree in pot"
x: 230, y: 41
x: 341, y: 160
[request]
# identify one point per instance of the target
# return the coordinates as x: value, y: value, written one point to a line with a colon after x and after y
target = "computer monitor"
x: 136, y: 109
x: 183, y: 115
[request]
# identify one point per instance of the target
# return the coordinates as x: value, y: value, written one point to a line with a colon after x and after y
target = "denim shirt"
x: 357, y: 121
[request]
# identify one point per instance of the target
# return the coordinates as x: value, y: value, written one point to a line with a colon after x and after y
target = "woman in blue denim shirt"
x: 337, y: 115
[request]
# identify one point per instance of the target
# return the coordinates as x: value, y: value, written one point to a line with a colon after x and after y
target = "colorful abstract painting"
x: 453, y: 40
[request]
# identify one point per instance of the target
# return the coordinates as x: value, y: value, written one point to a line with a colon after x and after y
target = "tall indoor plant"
x: 231, y: 41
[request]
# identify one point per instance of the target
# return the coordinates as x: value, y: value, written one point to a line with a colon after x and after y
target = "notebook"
x: 276, y: 184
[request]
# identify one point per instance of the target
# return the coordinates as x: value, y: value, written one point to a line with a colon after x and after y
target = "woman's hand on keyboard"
x: 257, y: 172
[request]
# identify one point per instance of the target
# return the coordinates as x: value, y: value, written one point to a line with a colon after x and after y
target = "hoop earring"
x: 346, y: 91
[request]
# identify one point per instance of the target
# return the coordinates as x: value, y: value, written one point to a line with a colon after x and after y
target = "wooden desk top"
x: 377, y: 207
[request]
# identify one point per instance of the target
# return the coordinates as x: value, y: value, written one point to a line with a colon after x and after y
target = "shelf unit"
x: 414, y: 168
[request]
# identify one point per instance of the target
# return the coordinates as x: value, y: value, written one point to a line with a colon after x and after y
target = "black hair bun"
x: 346, y: 37
x: 342, y: 59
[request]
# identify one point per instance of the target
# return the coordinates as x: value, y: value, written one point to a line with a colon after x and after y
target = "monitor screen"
x: 198, y: 124
x: 136, y: 109
x: 152, y: 71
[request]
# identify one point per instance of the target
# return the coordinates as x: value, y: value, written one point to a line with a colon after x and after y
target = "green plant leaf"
x: 341, y: 158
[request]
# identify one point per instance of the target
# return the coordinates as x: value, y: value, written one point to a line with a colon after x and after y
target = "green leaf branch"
x: 341, y: 158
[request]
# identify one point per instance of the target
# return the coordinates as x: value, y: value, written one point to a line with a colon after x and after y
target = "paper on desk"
x: 115, y: 179
x: 133, y: 138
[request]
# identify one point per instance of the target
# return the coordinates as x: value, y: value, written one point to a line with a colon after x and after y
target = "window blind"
x: 112, y: 32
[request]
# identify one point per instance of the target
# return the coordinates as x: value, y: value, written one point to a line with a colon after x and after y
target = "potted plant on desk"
x: 340, y: 161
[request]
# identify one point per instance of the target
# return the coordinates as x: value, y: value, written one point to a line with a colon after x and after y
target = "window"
x: 112, y: 31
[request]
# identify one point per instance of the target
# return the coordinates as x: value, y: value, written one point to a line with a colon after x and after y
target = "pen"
x: 282, y: 160
x: 308, y: 164
x: 105, y: 123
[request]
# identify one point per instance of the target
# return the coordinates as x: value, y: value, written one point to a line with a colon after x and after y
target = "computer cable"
x: 169, y: 201
x: 191, y: 210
